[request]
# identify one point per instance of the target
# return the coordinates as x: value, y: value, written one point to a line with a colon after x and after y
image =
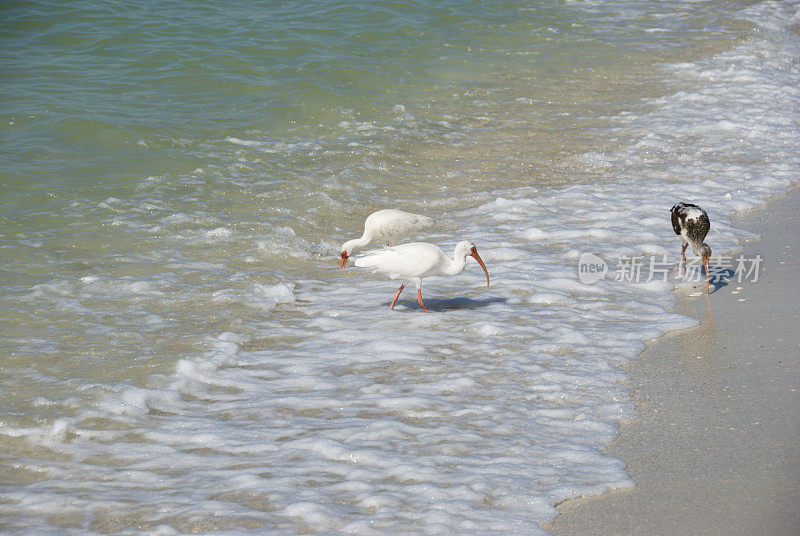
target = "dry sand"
x: 715, y: 447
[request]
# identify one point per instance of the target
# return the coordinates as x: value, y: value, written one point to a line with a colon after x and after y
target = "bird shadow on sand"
x: 454, y: 304
x: 721, y: 277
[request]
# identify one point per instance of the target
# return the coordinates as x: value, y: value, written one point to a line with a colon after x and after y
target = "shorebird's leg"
x: 419, y: 299
x: 682, y: 259
x: 397, y: 295
x: 683, y: 255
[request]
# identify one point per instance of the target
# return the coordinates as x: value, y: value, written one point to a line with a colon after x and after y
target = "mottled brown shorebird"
x: 691, y: 223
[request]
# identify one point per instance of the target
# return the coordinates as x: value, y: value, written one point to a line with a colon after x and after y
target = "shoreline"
x: 715, y: 444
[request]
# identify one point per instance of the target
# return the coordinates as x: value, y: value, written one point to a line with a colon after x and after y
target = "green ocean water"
x: 304, y: 111
x: 130, y: 129
x: 98, y: 95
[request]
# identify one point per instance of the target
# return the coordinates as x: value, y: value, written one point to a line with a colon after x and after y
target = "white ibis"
x: 691, y: 223
x: 387, y: 226
x: 412, y: 262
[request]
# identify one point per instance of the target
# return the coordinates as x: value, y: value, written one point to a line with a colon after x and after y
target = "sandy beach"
x: 714, y: 447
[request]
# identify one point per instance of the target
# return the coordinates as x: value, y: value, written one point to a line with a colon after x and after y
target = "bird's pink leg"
x: 397, y: 295
x: 419, y: 299
x: 682, y: 259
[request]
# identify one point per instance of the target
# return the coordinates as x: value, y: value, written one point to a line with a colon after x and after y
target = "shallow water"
x: 181, y: 352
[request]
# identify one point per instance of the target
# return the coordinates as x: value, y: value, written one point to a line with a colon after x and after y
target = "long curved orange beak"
x: 474, y: 254
x: 343, y: 261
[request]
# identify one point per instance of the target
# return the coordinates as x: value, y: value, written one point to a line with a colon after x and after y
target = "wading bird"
x: 412, y: 262
x: 691, y: 223
x: 387, y: 226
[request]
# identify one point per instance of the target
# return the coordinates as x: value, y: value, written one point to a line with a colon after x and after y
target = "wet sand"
x: 715, y: 447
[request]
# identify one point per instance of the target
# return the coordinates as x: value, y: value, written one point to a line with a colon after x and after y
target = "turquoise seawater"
x: 178, y: 349
x: 99, y: 94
